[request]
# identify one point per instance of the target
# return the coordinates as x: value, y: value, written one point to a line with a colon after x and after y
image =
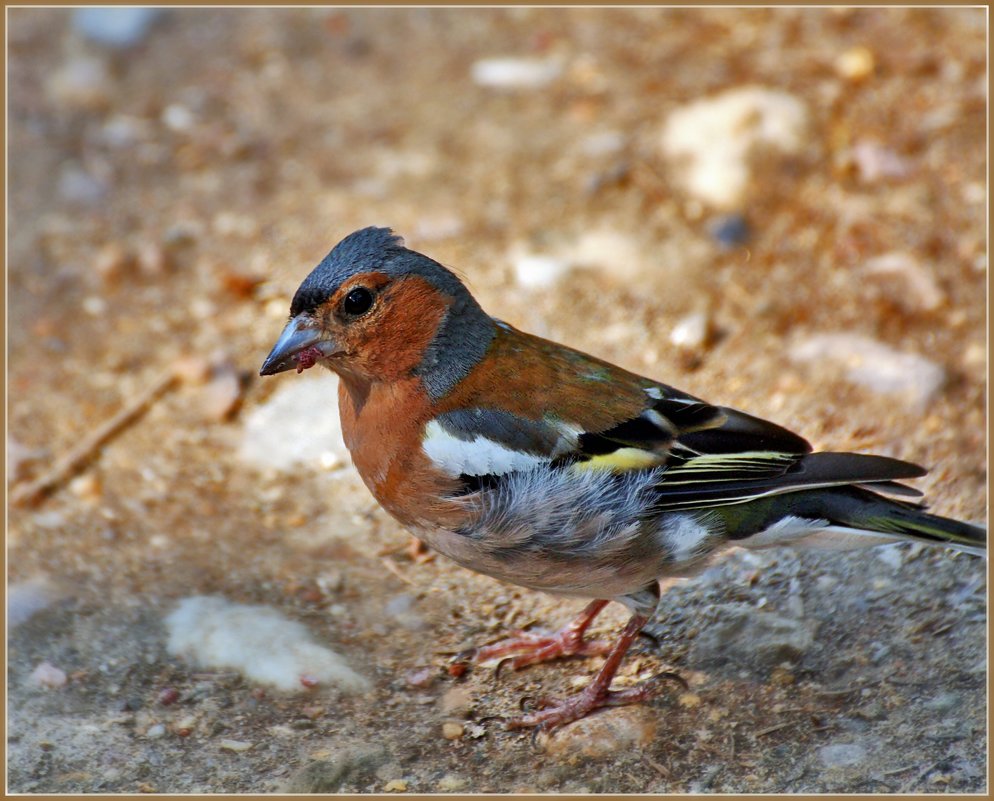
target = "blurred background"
x: 782, y: 210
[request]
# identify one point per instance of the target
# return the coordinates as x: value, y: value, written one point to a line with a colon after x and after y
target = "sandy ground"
x: 165, y: 200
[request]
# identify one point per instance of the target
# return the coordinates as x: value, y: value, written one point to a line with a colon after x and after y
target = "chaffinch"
x: 544, y: 467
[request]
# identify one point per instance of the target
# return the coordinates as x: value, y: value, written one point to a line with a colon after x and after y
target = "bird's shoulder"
x: 531, y: 402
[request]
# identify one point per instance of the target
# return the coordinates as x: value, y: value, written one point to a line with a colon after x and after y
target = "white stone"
x: 259, y: 642
x: 177, y: 118
x: 691, y: 332
x: 299, y: 424
x: 612, y: 251
x: 534, y: 271
x: 708, y: 142
x: 515, y: 73
x: 874, y: 365
x: 48, y: 676
x: 918, y: 288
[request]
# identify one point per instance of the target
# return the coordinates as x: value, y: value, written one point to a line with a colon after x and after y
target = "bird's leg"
x: 530, y: 648
x: 597, y: 695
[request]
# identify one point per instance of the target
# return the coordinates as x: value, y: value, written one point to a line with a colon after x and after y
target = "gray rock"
x: 355, y: 766
x: 842, y: 755
x: 25, y: 598
x: 746, y: 636
x: 944, y: 702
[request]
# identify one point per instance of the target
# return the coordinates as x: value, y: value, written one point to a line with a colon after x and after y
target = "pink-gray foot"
x: 554, y: 713
x: 529, y: 648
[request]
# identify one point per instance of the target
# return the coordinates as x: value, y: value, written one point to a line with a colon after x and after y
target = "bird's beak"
x: 299, y: 346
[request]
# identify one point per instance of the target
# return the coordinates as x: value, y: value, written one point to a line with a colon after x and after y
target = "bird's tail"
x: 846, y: 517
x: 868, y: 511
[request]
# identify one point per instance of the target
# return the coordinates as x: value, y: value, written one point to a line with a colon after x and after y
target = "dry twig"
x: 74, y: 461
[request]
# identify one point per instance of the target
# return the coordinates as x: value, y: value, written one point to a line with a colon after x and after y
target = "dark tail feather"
x: 864, y: 509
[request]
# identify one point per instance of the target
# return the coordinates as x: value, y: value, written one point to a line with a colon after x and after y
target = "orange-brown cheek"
x: 393, y: 342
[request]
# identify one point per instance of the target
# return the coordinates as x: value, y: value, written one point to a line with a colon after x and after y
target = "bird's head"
x: 373, y: 310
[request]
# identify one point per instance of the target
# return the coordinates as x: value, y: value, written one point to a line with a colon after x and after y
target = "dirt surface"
x: 165, y: 201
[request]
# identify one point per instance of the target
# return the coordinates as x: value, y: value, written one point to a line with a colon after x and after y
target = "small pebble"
x: 872, y: 711
x: 402, y: 610
x: 875, y: 161
x: 604, y: 143
x: 178, y: 118
x: 184, y: 726
x: 781, y: 677
x: 79, y: 186
x: 692, y: 332
x: 890, y: 555
x: 450, y: 783
x: 975, y: 355
x: 841, y: 755
x: 855, y: 64
x: 222, y: 395
x: 452, y: 731
x: 421, y: 677
x: 154, y: 260
x: 48, y: 676
x: 155, y: 731
x: 944, y: 702
x: 120, y: 27
x: 86, y: 487
x: 113, y: 262
x: 616, y: 253
x: 729, y: 230
x: 456, y: 701
x: 396, y: 786
x: 83, y: 83
x: 238, y: 746
x: 613, y: 732
x: 689, y: 700
x: 515, y: 73
x: 94, y: 306
x: 975, y: 193
x: 168, y: 696
x: 538, y: 272
x: 909, y: 283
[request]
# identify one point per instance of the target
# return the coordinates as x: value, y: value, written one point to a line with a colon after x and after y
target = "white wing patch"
x: 476, y: 457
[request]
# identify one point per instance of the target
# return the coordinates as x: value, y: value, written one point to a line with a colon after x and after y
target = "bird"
x: 545, y: 467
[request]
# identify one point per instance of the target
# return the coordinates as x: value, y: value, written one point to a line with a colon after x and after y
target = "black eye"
x: 357, y: 301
